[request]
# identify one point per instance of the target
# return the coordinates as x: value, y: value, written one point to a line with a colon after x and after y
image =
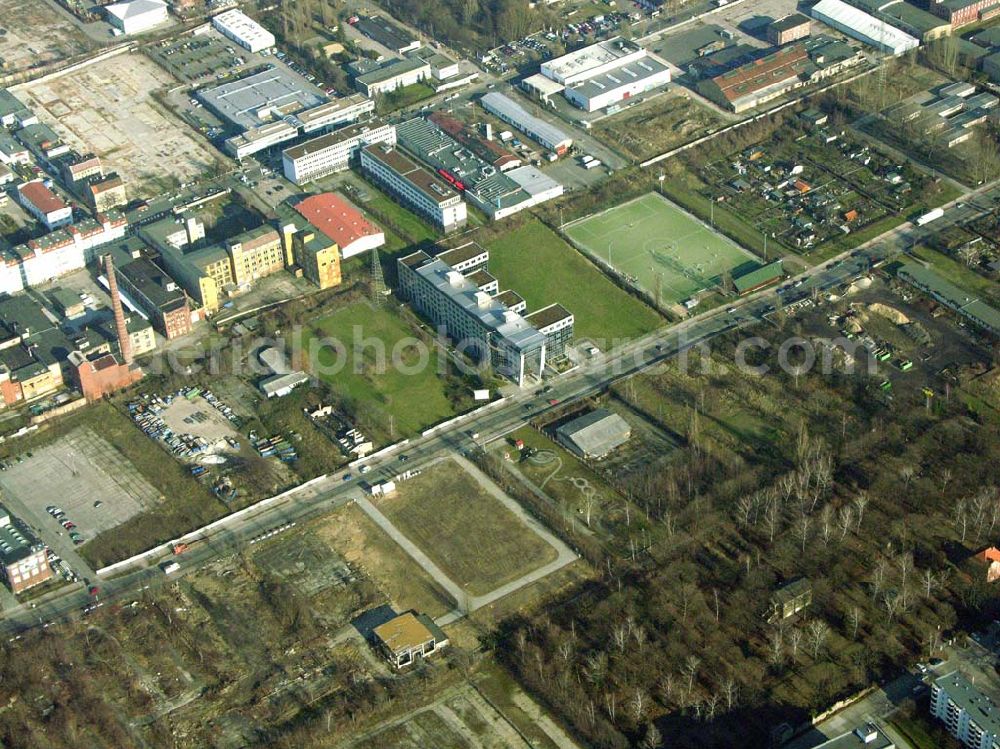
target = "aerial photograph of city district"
x: 500, y: 374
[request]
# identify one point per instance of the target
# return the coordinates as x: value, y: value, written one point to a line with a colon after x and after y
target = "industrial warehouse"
x: 274, y: 106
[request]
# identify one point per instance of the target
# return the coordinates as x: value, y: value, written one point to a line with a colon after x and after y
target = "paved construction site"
x: 108, y: 108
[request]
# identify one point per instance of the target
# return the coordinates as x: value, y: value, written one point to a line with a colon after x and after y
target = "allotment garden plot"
x: 806, y: 192
x: 654, y: 244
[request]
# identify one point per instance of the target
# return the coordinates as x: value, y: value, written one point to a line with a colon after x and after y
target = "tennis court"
x: 653, y: 242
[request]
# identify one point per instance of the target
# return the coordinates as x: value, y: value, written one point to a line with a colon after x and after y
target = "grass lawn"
x: 654, y: 241
x: 412, y: 393
x: 535, y: 262
x: 411, y: 228
x: 915, y: 731
x: 403, y: 97
x: 476, y: 541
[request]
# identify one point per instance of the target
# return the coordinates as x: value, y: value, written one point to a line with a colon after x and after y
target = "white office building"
x: 332, y: 152
x: 246, y: 32
x: 970, y: 714
x: 136, y: 16
x: 413, y: 186
x: 863, y: 26
x: 481, y: 325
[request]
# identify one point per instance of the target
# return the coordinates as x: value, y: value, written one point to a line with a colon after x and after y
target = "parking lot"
x: 108, y: 108
x: 197, y: 58
x: 75, y: 473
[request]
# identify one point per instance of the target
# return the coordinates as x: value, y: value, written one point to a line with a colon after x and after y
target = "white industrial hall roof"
x: 863, y: 26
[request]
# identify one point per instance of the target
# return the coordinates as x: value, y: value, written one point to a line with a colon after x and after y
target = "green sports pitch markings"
x: 650, y: 240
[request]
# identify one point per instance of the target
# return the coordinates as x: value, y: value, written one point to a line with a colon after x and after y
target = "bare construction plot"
x: 74, y: 473
x: 36, y: 33
x: 107, y: 108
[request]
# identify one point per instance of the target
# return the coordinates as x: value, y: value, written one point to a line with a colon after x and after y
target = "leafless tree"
x: 878, y: 577
x: 907, y: 473
x: 711, y: 703
x: 776, y: 647
x: 826, y: 523
x: 905, y: 564
x: 744, y: 508
x: 860, y: 503
x: 652, y: 738
x: 844, y: 518
x: 795, y: 640
x: 772, y: 516
x: 729, y: 690
x: 854, y: 621
x: 802, y: 527
x: 946, y: 477
x: 962, y: 517
x: 619, y: 634
x: 691, y: 670
x: 817, y: 632
x: 638, y: 704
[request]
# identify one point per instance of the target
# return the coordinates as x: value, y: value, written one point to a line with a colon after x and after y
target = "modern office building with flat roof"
x: 332, y: 152
x: 414, y: 186
x: 482, y: 327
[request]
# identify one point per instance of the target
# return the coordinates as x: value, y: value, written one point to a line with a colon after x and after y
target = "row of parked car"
x: 67, y: 524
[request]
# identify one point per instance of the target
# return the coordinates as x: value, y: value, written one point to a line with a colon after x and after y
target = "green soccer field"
x: 651, y: 240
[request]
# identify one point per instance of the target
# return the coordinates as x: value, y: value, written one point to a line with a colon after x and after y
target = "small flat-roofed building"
x: 390, y: 35
x: 541, y: 86
x: 467, y: 257
x: 407, y: 637
x: 13, y: 112
x: 6, y: 176
x: 136, y: 16
x: 788, y: 29
x: 23, y: 559
x: 44, y: 204
x: 42, y: 141
x: 414, y: 186
x: 392, y: 75
x: 790, y: 599
x: 12, y: 152
x: 759, y: 278
x: 594, y: 435
x: 342, y: 223
x: 963, y: 12
x: 236, y: 25
x: 619, y: 84
x: 79, y: 167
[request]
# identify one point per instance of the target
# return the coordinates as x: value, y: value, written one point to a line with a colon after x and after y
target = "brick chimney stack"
x: 116, y: 306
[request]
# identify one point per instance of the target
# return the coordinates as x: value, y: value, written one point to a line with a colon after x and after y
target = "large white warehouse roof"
x: 863, y: 26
